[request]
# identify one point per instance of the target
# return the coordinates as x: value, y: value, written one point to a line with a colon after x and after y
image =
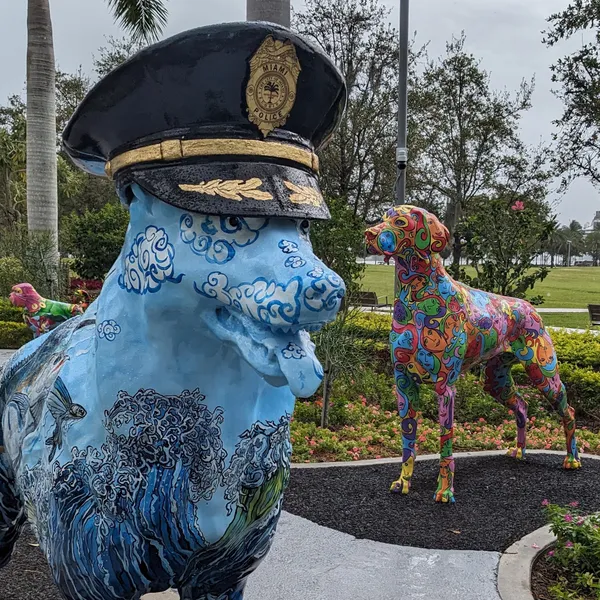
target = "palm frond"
x: 143, y: 19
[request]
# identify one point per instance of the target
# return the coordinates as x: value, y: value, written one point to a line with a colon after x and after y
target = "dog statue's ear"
x: 440, y: 236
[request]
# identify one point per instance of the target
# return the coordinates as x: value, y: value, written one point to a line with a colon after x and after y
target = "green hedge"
x: 14, y: 335
x: 577, y: 349
x: 8, y: 312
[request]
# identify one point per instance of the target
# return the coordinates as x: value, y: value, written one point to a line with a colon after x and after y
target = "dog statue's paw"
x: 518, y: 453
x: 445, y: 496
x: 571, y: 462
x: 401, y: 486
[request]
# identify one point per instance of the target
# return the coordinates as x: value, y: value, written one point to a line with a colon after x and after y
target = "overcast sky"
x: 504, y: 33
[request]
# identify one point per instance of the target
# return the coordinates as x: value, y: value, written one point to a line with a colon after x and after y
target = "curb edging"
x: 397, y: 459
x: 516, y: 564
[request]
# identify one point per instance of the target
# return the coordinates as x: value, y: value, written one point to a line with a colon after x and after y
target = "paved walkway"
x: 310, y: 562
x: 5, y: 355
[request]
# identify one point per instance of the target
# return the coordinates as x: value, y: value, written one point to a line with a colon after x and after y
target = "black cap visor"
x: 245, y: 189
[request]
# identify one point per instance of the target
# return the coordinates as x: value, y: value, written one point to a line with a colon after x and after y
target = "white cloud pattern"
x: 273, y: 303
x: 293, y: 351
x: 149, y: 263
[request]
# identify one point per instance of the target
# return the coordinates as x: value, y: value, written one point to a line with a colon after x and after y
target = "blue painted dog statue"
x: 147, y: 441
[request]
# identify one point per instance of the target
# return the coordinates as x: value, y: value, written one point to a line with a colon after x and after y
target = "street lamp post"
x: 568, y: 253
x: 401, y: 149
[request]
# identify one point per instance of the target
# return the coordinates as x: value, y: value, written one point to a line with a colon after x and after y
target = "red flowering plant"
x: 576, y: 555
x: 84, y: 291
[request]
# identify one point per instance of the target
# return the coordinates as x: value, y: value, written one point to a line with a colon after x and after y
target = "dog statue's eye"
x: 305, y: 226
x: 233, y: 222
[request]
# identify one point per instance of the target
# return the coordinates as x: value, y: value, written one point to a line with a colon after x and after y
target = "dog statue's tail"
x: 12, y: 514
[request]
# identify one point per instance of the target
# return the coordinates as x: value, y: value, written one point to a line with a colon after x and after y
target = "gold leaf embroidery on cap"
x: 304, y: 194
x: 234, y: 189
x: 271, y: 89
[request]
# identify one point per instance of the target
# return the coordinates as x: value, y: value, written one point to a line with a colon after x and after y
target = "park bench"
x: 594, y: 310
x: 369, y: 299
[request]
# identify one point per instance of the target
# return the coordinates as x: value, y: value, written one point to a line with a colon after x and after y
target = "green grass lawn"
x: 572, y: 320
x: 574, y: 287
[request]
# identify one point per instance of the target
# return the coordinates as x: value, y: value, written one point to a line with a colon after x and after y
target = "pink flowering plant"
x: 576, y: 555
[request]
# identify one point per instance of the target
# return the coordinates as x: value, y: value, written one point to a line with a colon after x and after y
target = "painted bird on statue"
x: 40, y: 314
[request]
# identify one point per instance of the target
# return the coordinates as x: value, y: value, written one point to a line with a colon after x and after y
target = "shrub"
x: 8, y: 312
x: 371, y: 326
x: 583, y: 389
x: 11, y: 272
x: 577, y: 551
x: 91, y: 285
x: 578, y: 349
x: 24, y: 257
x: 14, y: 335
x: 95, y: 239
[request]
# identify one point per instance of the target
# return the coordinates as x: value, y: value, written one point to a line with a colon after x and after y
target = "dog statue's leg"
x: 501, y: 386
x: 539, y: 359
x: 445, y: 488
x: 407, y: 394
x: 555, y: 392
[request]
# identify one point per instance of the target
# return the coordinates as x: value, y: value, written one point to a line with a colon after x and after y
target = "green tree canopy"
x: 359, y: 163
x: 578, y: 75
x: 469, y: 134
x: 505, y: 236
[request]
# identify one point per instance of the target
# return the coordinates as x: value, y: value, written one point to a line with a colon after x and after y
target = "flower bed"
x: 570, y: 570
x: 372, y: 432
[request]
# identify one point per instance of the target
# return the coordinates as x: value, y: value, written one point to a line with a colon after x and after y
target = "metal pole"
x: 401, y: 149
x: 568, y: 253
x: 274, y: 11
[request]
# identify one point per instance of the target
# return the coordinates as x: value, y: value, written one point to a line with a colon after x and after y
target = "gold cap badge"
x: 271, y: 90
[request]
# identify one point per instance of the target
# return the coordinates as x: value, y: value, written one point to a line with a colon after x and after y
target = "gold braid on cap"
x: 170, y: 150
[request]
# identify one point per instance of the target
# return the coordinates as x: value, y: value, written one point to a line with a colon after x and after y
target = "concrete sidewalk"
x: 310, y: 562
x: 5, y: 355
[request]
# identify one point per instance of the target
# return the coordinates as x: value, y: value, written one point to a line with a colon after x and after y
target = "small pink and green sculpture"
x: 441, y: 328
x: 40, y: 314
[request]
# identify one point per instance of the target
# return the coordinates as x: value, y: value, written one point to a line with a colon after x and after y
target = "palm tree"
x: 275, y: 11
x: 574, y: 242
x: 554, y: 244
x: 143, y: 19
x: 592, y: 243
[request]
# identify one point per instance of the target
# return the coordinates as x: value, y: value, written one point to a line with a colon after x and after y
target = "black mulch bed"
x: 498, y: 500
x: 27, y: 577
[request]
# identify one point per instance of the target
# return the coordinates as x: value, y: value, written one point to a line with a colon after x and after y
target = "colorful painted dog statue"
x: 40, y: 314
x: 148, y: 440
x: 441, y: 328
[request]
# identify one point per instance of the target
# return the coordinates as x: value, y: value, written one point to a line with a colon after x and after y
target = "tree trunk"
x: 274, y: 11
x: 552, y: 260
x: 451, y: 221
x: 326, y: 392
x: 456, y: 256
x: 42, y: 194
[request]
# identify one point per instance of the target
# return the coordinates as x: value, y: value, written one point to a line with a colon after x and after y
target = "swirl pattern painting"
x: 441, y: 328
